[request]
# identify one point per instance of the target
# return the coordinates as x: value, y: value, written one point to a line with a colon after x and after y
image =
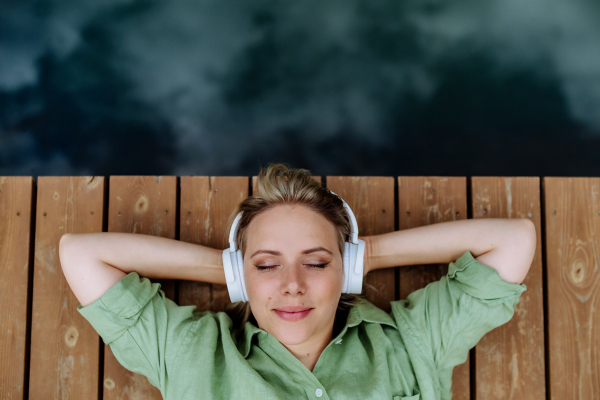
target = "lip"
x: 293, y: 316
x: 292, y: 309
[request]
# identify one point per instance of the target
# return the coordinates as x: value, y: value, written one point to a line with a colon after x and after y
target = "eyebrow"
x: 277, y: 253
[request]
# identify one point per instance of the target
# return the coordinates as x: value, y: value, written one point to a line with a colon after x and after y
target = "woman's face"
x: 294, y: 241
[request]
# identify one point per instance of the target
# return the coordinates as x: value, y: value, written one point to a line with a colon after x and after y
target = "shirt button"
x: 318, y: 393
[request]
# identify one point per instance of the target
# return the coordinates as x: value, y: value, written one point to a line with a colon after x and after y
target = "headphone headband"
x: 353, y: 226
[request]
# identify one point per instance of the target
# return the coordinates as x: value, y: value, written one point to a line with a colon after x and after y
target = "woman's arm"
x: 506, y: 245
x: 94, y: 262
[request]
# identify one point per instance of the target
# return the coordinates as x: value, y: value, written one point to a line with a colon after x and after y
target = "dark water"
x: 338, y: 87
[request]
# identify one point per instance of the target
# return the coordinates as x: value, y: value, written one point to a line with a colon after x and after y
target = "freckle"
x: 269, y: 298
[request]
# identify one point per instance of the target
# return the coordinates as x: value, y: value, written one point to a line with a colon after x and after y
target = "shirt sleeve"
x: 451, y: 315
x: 143, y: 328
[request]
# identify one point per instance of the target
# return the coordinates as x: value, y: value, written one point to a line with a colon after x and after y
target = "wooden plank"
x: 64, y: 346
x: 372, y: 202
x: 572, y: 216
x: 425, y: 201
x: 16, y: 207
x: 146, y: 205
x: 206, y: 203
x: 510, y: 359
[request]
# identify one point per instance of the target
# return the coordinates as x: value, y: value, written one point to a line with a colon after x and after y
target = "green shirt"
x: 406, y: 354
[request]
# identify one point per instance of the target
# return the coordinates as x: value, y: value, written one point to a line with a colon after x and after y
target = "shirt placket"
x: 298, y: 371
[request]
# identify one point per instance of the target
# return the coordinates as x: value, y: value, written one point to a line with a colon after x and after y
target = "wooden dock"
x: 550, y: 349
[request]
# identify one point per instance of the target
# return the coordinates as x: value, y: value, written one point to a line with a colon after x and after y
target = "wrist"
x: 367, y: 258
x: 209, y: 268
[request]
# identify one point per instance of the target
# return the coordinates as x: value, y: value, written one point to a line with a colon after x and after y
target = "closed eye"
x: 270, y: 267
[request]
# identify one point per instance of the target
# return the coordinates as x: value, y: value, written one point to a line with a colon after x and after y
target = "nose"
x: 293, y: 280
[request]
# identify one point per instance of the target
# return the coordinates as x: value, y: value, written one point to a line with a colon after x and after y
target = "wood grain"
x: 206, y: 203
x: 510, y: 358
x: 372, y: 202
x: 16, y: 207
x: 64, y: 346
x: 572, y: 215
x: 146, y: 205
x: 425, y: 201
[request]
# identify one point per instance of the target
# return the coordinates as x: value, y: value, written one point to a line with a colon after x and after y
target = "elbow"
x: 527, y: 238
x: 63, y: 239
x: 529, y: 234
x: 64, y: 245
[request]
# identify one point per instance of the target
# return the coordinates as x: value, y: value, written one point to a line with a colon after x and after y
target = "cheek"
x: 329, y: 286
x: 259, y: 287
x: 337, y: 280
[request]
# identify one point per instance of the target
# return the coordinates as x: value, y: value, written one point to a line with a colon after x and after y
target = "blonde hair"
x: 277, y: 185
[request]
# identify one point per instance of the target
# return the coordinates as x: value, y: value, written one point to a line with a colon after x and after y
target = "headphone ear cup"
x: 240, y: 272
x: 347, y: 267
x: 355, y: 276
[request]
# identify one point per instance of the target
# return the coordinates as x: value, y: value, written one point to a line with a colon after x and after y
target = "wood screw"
x: 553, y: 211
x: 530, y: 215
x: 18, y: 213
x: 485, y: 211
x: 119, y: 214
x: 44, y: 214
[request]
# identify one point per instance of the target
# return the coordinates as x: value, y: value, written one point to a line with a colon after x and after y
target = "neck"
x: 309, y: 352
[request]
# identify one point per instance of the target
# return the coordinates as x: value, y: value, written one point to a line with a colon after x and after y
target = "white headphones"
x: 353, y: 260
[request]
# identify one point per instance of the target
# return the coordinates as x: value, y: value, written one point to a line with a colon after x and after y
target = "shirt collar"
x: 363, y: 311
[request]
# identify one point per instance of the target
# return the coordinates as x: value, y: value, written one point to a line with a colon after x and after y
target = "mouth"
x: 292, y: 316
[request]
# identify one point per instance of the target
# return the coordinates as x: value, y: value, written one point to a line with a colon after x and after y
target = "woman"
x: 298, y: 336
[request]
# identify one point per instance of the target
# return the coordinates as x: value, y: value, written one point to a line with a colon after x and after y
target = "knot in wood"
x: 71, y: 336
x: 109, y: 383
x: 577, y: 272
x: 92, y: 182
x: 141, y: 205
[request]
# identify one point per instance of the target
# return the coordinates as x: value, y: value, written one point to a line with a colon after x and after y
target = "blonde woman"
x: 298, y: 336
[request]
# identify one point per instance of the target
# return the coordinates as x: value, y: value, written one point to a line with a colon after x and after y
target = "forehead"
x: 290, y: 226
